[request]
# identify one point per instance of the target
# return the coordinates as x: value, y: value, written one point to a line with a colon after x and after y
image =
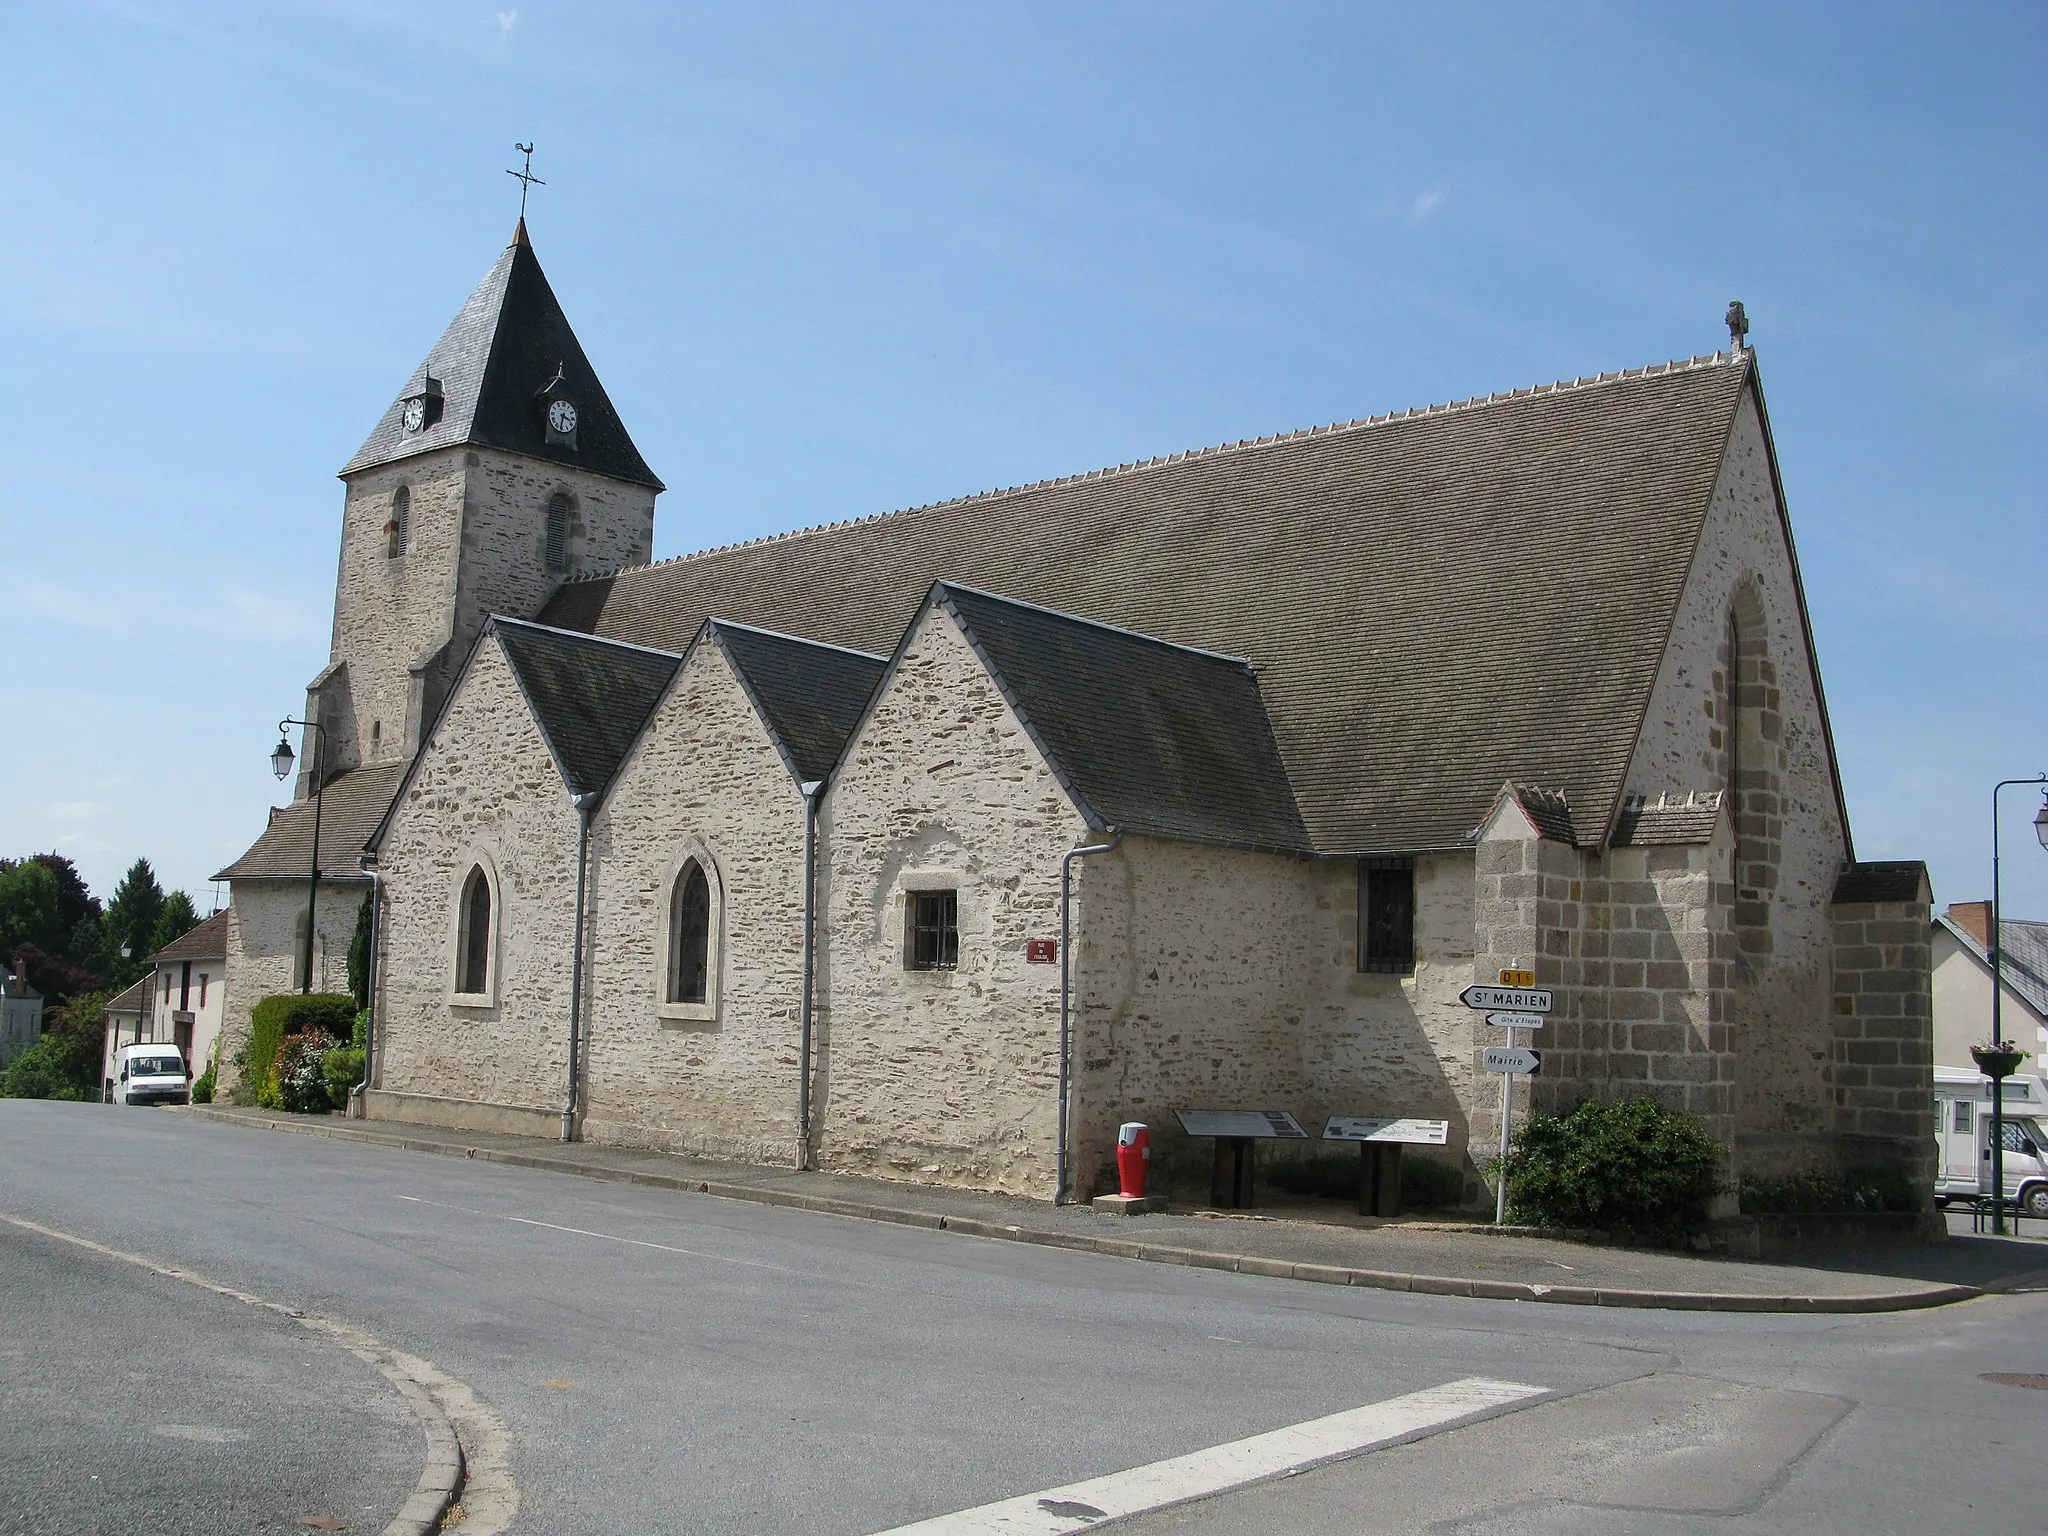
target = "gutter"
x: 586, y: 807
x: 813, y: 791
x: 367, y: 863
x: 1059, y: 1194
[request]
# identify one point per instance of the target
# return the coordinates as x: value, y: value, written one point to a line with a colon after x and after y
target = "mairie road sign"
x: 1513, y: 999
x: 1515, y: 1063
x: 1515, y: 1020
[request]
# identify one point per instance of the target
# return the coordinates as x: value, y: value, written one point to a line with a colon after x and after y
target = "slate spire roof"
x: 492, y: 366
x: 1436, y: 602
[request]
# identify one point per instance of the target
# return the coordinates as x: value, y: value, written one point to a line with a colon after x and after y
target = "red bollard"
x: 1133, y: 1158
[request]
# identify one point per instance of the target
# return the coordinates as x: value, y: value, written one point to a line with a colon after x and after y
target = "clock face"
x: 415, y: 414
x: 562, y: 417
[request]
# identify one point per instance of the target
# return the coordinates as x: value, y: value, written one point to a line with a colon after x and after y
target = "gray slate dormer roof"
x: 590, y: 698
x: 492, y: 363
x: 810, y: 696
x: 1150, y: 737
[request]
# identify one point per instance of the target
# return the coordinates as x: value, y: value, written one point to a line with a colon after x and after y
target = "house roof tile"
x: 1435, y: 601
x: 350, y: 808
x: 207, y: 941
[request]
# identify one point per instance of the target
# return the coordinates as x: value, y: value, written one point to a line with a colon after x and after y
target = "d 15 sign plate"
x: 1513, y: 999
x: 1518, y: 978
x: 1513, y: 1063
x: 1419, y: 1133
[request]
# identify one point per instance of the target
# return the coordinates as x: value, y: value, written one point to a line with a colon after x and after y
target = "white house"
x: 1962, y: 983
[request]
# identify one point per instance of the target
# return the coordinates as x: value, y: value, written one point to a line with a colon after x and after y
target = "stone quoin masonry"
x: 1372, y: 710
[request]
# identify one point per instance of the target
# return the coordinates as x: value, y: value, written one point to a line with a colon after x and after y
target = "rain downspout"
x: 585, y: 805
x: 812, y: 791
x: 361, y: 1092
x: 1059, y: 1194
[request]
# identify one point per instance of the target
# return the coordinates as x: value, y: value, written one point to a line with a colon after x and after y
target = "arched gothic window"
x: 400, y: 527
x: 561, y: 508
x: 473, y: 946
x: 689, y: 936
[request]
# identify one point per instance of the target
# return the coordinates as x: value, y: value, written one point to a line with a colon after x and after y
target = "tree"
x: 131, y: 919
x: 75, y: 904
x: 175, y: 921
x: 65, y: 1063
x: 28, y: 908
x: 359, y: 955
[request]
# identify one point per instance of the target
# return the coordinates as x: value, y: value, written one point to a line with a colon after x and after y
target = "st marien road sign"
x: 1514, y: 999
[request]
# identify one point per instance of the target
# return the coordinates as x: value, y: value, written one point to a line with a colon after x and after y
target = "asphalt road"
x: 670, y: 1362
x: 135, y: 1403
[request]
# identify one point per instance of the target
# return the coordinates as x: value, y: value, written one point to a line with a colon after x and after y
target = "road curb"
x: 1151, y: 1253
x: 441, y: 1476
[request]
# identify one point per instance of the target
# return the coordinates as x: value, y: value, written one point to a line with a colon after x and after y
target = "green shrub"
x: 202, y: 1087
x: 1426, y: 1182
x: 1628, y: 1166
x: 331, y: 1013
x: 1873, y: 1188
x: 301, y: 1072
x: 343, y: 1069
x: 359, y: 1036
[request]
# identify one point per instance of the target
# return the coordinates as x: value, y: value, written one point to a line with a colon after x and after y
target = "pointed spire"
x: 510, y: 345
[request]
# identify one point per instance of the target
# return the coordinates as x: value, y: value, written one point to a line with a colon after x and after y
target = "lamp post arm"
x: 313, y: 874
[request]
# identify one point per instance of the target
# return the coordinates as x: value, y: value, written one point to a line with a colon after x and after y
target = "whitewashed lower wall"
x: 705, y: 780
x: 942, y: 1075
x: 486, y: 791
x: 264, y: 931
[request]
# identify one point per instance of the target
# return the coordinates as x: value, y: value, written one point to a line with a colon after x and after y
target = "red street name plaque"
x: 1042, y: 951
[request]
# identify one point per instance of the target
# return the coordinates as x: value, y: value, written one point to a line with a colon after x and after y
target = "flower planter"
x: 1998, y: 1064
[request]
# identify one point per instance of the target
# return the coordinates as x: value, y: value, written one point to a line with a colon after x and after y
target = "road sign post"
x: 1516, y: 1004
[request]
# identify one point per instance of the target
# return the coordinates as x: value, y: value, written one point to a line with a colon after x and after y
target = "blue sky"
x: 832, y: 260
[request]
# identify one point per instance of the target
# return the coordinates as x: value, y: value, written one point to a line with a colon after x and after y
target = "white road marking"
x: 1180, y: 1479
x: 641, y: 1242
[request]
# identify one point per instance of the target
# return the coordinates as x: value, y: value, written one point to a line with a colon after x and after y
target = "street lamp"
x: 1997, y: 988
x: 281, y: 765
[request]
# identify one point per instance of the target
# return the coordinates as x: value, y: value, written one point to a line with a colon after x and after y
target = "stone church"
x: 937, y: 843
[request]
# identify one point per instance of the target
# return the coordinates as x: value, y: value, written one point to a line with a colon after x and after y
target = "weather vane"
x: 526, y: 179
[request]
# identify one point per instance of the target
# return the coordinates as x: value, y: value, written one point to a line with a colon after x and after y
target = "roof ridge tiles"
x: 587, y: 635
x: 782, y: 634
x: 1117, y: 629
x: 1699, y: 360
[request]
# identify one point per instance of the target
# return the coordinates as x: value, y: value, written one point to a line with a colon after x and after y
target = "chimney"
x: 1974, y: 918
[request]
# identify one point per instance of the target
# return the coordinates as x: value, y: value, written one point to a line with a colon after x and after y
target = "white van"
x: 150, y: 1074
x: 1962, y: 1138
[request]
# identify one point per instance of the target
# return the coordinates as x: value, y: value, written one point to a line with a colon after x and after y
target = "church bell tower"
x: 499, y: 472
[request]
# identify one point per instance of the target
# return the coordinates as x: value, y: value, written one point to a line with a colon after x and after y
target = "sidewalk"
x: 1399, y: 1256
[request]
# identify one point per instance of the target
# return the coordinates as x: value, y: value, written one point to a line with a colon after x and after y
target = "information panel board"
x: 1261, y: 1124
x: 1416, y: 1133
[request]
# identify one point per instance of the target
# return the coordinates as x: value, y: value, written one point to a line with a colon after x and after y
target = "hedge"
x: 1627, y: 1166
x: 290, y: 1013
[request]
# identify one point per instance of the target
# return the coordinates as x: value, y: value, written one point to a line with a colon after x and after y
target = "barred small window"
x: 1386, y: 916
x: 933, y: 942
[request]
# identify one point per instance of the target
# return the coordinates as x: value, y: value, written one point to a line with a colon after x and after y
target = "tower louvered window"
x: 560, y: 508
x: 400, y: 525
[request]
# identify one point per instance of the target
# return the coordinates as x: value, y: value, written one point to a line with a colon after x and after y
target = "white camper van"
x: 150, y: 1074
x: 1962, y: 1136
